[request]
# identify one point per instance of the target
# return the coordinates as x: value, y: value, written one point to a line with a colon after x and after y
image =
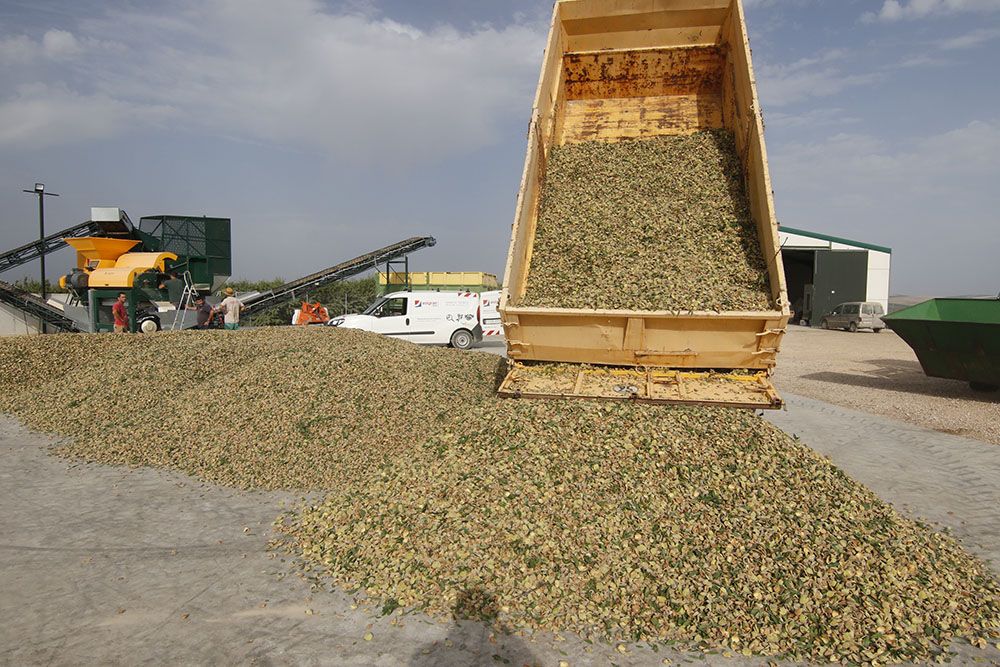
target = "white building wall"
x: 879, y: 264
x: 797, y: 242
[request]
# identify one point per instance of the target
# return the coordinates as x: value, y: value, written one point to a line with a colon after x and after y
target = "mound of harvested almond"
x: 657, y: 224
x: 703, y: 526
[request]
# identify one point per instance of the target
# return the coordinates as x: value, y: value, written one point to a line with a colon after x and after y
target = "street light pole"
x: 42, y: 194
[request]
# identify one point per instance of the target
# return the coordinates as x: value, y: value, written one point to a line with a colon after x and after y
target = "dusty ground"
x: 880, y: 374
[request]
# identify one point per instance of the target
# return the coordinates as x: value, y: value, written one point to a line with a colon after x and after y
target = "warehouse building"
x: 822, y: 271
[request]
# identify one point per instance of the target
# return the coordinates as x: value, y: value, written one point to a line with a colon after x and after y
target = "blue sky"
x: 325, y: 129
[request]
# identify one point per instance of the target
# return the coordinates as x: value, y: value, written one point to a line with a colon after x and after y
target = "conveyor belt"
x: 35, y: 307
x: 279, y: 295
x: 32, y: 251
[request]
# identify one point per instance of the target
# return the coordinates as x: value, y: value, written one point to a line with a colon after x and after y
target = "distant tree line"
x: 34, y: 286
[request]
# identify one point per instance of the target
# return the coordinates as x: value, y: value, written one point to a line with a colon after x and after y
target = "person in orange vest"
x: 120, y: 313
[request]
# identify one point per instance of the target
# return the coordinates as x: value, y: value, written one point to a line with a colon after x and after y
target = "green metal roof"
x: 835, y: 239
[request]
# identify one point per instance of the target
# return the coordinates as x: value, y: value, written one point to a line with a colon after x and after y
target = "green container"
x: 954, y: 338
x: 203, y: 246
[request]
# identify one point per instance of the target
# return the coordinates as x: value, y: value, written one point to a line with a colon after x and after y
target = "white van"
x: 431, y: 318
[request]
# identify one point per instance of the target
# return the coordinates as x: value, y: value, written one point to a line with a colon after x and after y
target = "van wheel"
x: 853, y: 327
x: 983, y: 387
x: 461, y: 340
x: 877, y: 330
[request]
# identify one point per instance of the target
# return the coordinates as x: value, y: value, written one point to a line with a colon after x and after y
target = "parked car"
x: 855, y: 315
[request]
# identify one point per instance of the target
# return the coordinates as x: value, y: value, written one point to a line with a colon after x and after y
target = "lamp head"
x: 39, y: 187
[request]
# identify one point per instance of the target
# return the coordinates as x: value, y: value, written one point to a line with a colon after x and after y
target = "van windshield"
x: 375, y: 306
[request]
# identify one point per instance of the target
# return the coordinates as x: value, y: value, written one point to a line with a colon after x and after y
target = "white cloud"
x: 54, y: 45
x: 355, y: 86
x: 39, y: 115
x: 17, y: 49
x: 869, y: 164
x: 896, y: 10
x: 814, y: 118
x: 971, y: 39
x: 933, y: 199
x: 60, y: 44
x: 922, y: 60
x: 819, y: 76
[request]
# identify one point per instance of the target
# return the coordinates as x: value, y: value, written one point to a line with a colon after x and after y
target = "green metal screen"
x: 203, y: 245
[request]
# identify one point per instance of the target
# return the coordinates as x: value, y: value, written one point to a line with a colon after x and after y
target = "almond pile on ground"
x: 707, y: 527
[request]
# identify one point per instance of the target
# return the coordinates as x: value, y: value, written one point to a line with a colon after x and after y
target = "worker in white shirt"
x: 231, y: 307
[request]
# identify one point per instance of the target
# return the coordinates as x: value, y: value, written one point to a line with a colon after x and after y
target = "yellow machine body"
x: 99, y: 253
x: 109, y: 263
x: 127, y: 267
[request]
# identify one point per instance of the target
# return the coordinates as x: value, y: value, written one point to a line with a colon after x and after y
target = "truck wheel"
x: 853, y: 327
x: 983, y: 387
x: 461, y: 340
x: 803, y: 323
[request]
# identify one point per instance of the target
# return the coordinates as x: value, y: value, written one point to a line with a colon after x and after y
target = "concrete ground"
x: 880, y: 373
x: 124, y: 566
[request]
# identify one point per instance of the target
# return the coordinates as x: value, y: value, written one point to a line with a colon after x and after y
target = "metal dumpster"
x: 954, y: 338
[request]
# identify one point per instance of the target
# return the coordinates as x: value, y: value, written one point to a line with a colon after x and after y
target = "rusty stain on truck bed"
x: 617, y: 96
x: 646, y: 73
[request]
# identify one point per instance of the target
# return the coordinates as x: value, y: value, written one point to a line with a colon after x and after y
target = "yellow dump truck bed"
x: 626, y: 70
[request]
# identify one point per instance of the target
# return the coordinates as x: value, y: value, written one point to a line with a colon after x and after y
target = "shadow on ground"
x: 905, y: 376
x: 476, y: 638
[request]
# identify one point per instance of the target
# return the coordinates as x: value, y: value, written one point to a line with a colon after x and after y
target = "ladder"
x: 187, y: 299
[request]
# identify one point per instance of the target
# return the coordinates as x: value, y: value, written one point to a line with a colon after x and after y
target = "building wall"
x: 879, y: 264
x: 798, y: 242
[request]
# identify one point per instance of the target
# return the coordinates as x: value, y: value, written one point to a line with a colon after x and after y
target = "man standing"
x: 120, y: 313
x: 232, y: 307
x: 205, y: 313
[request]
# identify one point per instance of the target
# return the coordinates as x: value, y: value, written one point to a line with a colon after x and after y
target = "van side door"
x: 833, y: 319
x: 853, y: 314
x: 391, y: 317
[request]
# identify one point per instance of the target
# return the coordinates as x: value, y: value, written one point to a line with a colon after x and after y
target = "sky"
x: 327, y: 129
